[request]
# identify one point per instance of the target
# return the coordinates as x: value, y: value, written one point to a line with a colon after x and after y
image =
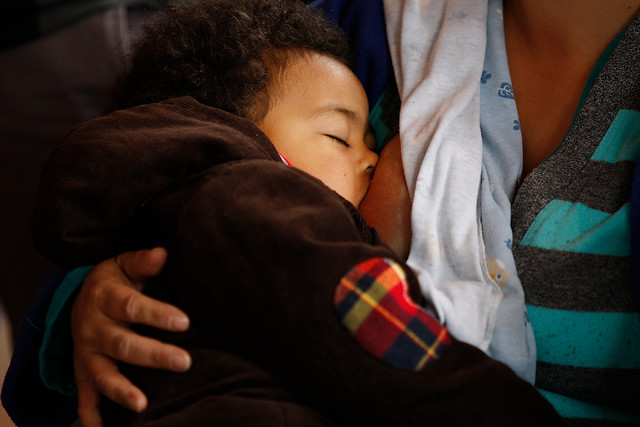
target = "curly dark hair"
x: 224, y: 53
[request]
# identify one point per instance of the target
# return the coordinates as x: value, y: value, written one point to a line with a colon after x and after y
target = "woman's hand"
x: 387, y: 205
x: 109, y: 300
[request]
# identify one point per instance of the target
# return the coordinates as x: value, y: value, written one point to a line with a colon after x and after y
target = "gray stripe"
x: 589, y: 282
x: 602, y: 186
x: 615, y: 388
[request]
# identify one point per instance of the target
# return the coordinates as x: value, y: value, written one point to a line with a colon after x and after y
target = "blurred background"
x: 58, y: 62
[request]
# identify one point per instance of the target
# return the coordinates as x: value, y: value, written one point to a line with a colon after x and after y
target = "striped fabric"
x: 572, y: 245
x: 373, y: 304
x: 575, y: 261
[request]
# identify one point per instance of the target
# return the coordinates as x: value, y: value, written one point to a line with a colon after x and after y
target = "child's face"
x: 319, y: 121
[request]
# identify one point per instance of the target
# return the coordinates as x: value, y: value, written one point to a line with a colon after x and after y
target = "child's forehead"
x: 301, y: 66
x: 313, y: 72
x: 318, y: 86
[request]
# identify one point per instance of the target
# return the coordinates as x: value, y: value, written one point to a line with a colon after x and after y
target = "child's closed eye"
x: 340, y: 140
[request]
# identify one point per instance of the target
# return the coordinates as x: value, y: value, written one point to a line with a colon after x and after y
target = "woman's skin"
x: 552, y: 47
x: 387, y: 205
x: 98, y: 341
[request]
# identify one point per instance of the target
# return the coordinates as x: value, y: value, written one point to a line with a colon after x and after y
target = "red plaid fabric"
x: 373, y: 304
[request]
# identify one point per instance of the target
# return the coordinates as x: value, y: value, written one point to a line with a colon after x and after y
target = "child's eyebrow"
x: 336, y: 108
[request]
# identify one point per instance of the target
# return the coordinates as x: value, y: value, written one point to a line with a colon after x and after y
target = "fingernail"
x: 178, y: 323
x: 135, y: 404
x: 180, y: 363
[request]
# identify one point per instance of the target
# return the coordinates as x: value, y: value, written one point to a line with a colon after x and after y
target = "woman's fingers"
x: 122, y: 344
x: 112, y: 288
x: 110, y: 382
x: 88, y: 405
x: 108, y: 301
x: 126, y: 304
x: 143, y: 264
x: 106, y: 305
x: 97, y: 374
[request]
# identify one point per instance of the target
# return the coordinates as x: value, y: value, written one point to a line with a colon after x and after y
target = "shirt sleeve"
x: 56, y: 352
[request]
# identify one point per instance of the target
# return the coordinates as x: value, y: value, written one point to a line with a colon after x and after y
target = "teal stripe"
x: 380, y: 130
x: 56, y: 351
x: 574, y: 227
x: 572, y: 408
x: 587, y: 339
x: 622, y: 140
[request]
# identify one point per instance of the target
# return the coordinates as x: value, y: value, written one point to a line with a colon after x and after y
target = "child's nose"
x: 370, y: 161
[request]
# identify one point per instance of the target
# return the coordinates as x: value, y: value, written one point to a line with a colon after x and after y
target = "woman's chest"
x: 546, y: 103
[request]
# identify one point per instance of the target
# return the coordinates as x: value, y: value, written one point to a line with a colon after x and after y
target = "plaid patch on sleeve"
x: 372, y: 302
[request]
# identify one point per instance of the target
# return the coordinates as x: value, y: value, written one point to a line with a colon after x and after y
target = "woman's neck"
x: 552, y: 46
x: 569, y: 30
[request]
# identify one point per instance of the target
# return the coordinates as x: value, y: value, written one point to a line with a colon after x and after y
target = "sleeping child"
x: 243, y: 146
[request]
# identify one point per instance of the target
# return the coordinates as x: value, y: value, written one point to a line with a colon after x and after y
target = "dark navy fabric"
x: 27, y: 401
x: 363, y: 21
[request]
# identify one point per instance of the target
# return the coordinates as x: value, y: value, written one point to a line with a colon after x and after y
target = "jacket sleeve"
x: 271, y: 264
